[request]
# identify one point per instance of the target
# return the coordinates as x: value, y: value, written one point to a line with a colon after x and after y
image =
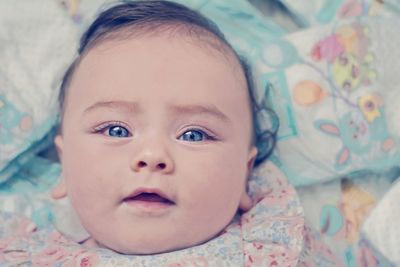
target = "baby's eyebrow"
x: 134, y: 107
x: 200, y: 109
x: 124, y: 105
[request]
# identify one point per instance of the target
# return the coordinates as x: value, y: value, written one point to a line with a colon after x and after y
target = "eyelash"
x: 207, y: 134
x: 105, y: 126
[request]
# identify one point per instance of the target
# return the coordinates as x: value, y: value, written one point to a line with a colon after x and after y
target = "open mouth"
x: 149, y: 198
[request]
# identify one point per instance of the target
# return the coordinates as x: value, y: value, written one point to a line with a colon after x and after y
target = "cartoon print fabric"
x: 338, y: 209
x: 340, y: 93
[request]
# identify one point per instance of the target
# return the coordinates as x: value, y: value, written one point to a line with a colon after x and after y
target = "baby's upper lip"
x: 143, y: 190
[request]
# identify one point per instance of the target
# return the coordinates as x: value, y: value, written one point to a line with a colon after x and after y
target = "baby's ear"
x: 246, y: 203
x: 60, y: 190
x: 251, y: 159
x: 58, y: 141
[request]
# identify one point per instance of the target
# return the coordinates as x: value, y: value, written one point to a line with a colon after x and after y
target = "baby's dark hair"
x: 131, y: 18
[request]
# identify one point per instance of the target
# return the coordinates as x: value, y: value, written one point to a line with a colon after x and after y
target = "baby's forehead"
x: 195, y: 35
x: 200, y: 40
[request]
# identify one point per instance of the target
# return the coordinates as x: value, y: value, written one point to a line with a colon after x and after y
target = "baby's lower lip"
x: 148, y: 207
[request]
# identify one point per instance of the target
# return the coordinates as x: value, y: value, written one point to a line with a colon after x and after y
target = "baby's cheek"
x: 84, y: 185
x: 213, y: 199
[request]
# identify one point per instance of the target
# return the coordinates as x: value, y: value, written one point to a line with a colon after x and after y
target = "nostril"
x: 162, y: 166
x: 142, y: 164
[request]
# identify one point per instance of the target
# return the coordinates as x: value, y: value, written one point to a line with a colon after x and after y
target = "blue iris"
x: 193, y: 136
x: 118, y: 131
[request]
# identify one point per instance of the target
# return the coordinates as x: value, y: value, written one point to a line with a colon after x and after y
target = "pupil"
x: 192, y: 136
x: 116, y: 131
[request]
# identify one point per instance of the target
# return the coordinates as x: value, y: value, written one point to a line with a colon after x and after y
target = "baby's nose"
x: 151, y: 161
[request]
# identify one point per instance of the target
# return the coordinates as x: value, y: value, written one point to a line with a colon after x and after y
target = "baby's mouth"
x: 149, y: 197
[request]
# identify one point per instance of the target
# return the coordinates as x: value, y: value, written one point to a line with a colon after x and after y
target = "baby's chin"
x: 143, y: 249
x: 155, y: 239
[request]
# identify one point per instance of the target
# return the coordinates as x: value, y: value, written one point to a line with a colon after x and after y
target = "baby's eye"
x: 117, y: 131
x: 194, y: 136
x: 113, y: 129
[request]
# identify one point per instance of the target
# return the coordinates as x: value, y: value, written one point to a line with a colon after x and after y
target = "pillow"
x: 335, y: 90
x: 37, y: 43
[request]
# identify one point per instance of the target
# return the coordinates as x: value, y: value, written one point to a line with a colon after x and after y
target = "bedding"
x: 332, y: 84
x: 337, y: 87
x: 37, y: 43
x: 317, y: 12
x: 381, y: 228
x: 338, y: 209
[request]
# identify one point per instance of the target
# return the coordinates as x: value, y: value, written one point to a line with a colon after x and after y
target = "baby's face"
x: 156, y: 147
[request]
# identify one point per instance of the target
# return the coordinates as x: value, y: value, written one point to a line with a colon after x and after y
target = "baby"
x: 157, y: 136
